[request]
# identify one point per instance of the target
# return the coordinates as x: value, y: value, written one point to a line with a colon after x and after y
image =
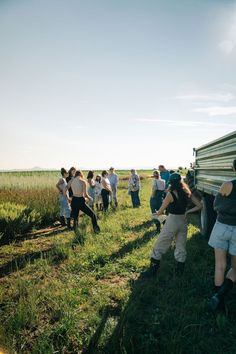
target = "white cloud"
x: 219, y: 97
x: 227, y: 46
x: 217, y: 110
x: 184, y: 123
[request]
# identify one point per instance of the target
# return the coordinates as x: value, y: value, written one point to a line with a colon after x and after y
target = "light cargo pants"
x: 174, y: 228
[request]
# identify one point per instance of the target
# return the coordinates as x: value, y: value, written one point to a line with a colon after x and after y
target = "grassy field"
x: 67, y: 293
x: 29, y: 200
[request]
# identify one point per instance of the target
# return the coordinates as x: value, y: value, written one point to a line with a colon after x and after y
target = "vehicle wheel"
x: 208, y: 215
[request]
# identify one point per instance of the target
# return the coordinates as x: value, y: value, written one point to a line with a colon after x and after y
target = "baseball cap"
x: 175, y: 177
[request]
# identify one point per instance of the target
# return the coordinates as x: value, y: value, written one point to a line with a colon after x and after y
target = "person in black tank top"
x: 223, y: 240
x: 175, y: 227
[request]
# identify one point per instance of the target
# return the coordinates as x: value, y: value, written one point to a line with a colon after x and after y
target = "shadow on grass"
x: 51, y: 231
x: 144, y: 225
x: 169, y: 314
x: 55, y: 254
x: 127, y: 248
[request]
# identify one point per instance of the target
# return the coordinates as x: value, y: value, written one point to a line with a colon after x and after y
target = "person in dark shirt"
x: 71, y: 171
x: 223, y: 240
x: 175, y: 226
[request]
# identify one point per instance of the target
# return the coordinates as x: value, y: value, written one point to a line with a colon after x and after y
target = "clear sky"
x: 127, y: 83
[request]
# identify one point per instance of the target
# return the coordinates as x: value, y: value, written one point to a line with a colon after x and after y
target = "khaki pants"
x: 175, y: 227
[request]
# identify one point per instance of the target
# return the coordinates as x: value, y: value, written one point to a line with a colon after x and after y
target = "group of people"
x: 78, y: 194
x: 222, y: 238
x: 169, y: 195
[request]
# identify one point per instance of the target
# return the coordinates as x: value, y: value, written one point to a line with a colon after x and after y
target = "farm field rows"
x: 67, y: 293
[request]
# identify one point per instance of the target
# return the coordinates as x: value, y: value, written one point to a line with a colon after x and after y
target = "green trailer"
x: 213, y: 166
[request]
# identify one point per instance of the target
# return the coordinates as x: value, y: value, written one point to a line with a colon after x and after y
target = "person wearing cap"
x: 175, y: 227
x: 134, y: 188
x: 223, y: 240
x: 158, y: 187
x: 113, y: 178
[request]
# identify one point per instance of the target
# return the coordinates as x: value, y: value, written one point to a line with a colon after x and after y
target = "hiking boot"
x: 152, y: 271
x: 179, y: 269
x: 217, y: 300
x: 62, y: 221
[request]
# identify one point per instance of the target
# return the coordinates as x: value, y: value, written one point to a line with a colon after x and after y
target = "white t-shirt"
x: 159, y: 184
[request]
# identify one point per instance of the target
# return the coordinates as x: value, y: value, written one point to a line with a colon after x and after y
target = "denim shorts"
x: 223, y: 237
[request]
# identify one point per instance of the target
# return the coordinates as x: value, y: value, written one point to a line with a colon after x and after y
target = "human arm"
x: 59, y: 183
x: 168, y: 199
x: 198, y: 205
x: 226, y: 188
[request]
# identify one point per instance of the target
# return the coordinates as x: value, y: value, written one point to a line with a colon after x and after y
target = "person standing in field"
x: 71, y: 175
x: 165, y: 174
x: 65, y: 209
x: 91, y: 188
x: 106, y: 190
x: 113, y: 178
x: 134, y: 187
x: 98, y: 191
x: 223, y: 240
x: 79, y: 189
x: 175, y: 226
x: 156, y: 199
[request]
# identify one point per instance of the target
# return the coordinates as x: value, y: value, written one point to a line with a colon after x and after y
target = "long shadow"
x: 127, y: 248
x: 145, y: 224
x: 21, y: 261
x: 42, y: 234
x: 107, y: 312
x: 33, y: 236
x: 169, y: 314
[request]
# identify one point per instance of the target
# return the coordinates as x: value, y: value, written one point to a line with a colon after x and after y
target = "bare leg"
x: 232, y: 272
x: 220, y: 266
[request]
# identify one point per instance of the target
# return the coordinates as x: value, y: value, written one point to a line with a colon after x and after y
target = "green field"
x: 67, y: 293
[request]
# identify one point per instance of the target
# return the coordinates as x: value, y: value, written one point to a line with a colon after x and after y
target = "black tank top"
x: 226, y: 207
x: 177, y: 207
x: 232, y: 195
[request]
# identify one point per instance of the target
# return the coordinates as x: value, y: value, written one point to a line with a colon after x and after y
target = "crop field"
x: 62, y: 292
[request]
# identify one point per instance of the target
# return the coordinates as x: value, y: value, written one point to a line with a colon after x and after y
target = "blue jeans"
x: 64, y: 206
x: 135, y: 199
x: 155, y: 204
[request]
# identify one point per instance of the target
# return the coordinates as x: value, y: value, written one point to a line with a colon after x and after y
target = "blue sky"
x: 124, y: 83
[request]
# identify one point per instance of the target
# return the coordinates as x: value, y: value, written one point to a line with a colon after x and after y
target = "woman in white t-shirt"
x: 158, y: 187
x: 106, y: 190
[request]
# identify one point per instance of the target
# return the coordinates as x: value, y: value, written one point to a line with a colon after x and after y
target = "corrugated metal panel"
x: 214, y: 163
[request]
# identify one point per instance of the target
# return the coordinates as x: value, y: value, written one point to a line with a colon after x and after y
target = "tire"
x: 208, y: 215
